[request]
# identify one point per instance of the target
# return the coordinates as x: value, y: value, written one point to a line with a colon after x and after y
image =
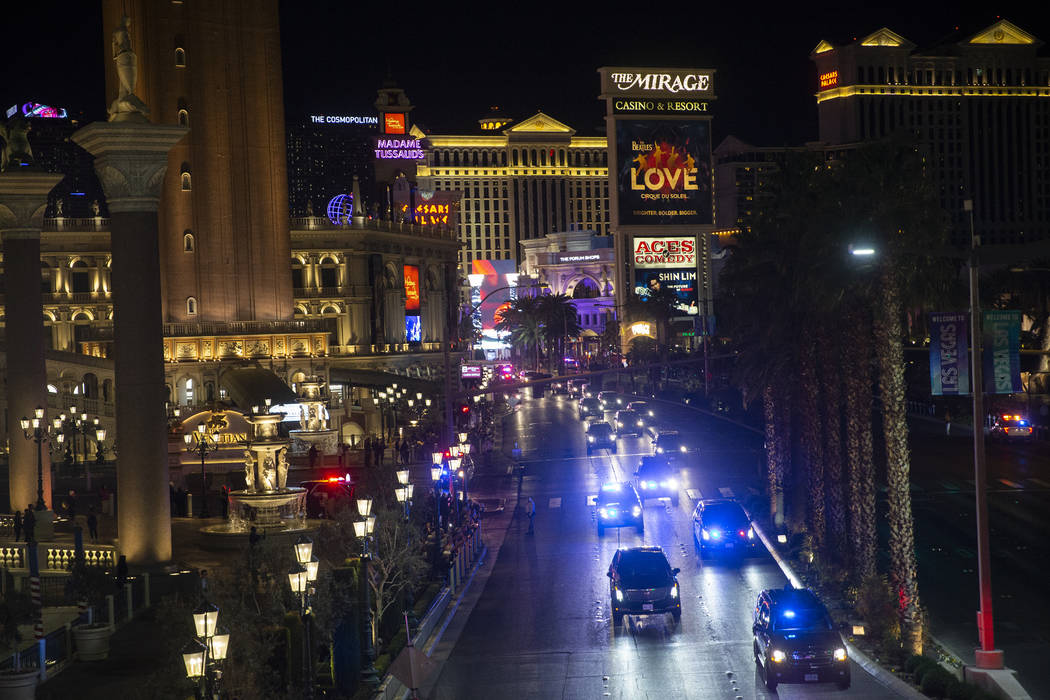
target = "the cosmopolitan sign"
x: 343, y: 119
x: 657, y: 82
x: 399, y: 149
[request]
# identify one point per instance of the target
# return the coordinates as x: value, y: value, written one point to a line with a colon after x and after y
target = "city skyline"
x: 454, y: 67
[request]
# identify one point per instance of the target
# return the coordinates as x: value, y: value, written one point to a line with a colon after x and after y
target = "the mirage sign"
x: 657, y: 82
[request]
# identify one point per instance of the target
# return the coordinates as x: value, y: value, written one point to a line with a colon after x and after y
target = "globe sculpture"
x: 340, y: 208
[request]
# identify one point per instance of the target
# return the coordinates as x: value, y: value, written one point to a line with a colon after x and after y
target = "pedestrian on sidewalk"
x: 122, y: 572
x: 947, y: 421
x: 18, y: 525
x: 404, y: 452
x: 92, y: 523
x: 530, y: 510
x: 29, y: 524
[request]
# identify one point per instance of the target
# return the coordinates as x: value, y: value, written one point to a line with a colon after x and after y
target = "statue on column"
x: 282, y: 469
x: 17, y: 151
x: 249, y: 471
x: 127, y: 106
x: 309, y: 207
x: 302, y: 418
x: 96, y: 209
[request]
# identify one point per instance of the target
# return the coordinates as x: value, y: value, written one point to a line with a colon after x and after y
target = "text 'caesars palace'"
x: 350, y: 250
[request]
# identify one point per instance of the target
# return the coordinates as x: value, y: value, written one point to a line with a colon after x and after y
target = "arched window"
x: 187, y: 180
x: 297, y: 273
x: 184, y: 117
x: 191, y: 306
x: 188, y: 244
x: 329, y: 273
x: 180, y: 57
x: 585, y: 289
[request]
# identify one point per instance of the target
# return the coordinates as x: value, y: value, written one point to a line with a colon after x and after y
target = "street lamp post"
x: 203, y: 656
x: 987, y: 657
x: 363, y: 529
x: 36, y: 431
x: 203, y: 446
x: 301, y: 579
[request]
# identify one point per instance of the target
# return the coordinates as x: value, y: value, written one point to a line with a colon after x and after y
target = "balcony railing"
x: 322, y: 223
x: 68, y: 223
x: 191, y: 330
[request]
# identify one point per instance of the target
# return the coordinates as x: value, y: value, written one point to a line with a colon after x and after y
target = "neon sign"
x: 35, y: 109
x: 429, y: 214
x: 399, y: 149
x: 342, y: 119
x: 829, y: 79
x: 643, y: 82
x: 394, y: 123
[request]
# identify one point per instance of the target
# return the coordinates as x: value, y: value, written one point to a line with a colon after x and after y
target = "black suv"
x: 600, y: 434
x: 670, y: 444
x: 721, y: 525
x: 590, y: 408
x: 657, y: 478
x: 619, y: 505
x: 641, y: 582
x: 795, y: 641
x: 628, y: 423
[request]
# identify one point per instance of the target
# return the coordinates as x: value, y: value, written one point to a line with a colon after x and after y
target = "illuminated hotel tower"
x: 215, y: 67
x: 520, y: 183
x: 977, y: 104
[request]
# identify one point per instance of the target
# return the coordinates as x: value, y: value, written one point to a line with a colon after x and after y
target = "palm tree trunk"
x: 812, y: 449
x: 833, y: 487
x: 782, y: 443
x: 860, y: 465
x: 774, y: 470
x: 898, y: 460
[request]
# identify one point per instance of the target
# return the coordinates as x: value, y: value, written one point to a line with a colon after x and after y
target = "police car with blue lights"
x: 618, y: 505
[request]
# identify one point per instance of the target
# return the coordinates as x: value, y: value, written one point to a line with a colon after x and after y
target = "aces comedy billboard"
x: 663, y: 172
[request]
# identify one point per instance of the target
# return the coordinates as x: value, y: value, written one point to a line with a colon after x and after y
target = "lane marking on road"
x: 592, y: 500
x: 694, y: 494
x: 726, y: 492
x: 1040, y: 482
x: 1011, y: 484
x: 554, y: 503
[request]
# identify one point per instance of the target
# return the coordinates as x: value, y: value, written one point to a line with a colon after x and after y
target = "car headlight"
x: 644, y: 484
x: 619, y: 594
x: 778, y: 656
x: 604, y: 512
x: 705, y: 534
x: 751, y: 533
x: 840, y: 654
x: 674, y: 591
x: 659, y: 450
x: 590, y: 438
x: 650, y: 414
x: 672, y: 483
x: 639, y: 424
x: 715, y: 534
x: 619, y: 424
x: 636, y: 511
x: 682, y: 448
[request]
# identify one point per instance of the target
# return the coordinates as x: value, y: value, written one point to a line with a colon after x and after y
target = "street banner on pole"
x: 1002, y: 352
x: 949, y: 354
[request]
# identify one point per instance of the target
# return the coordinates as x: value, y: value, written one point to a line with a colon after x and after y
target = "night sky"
x: 522, y: 57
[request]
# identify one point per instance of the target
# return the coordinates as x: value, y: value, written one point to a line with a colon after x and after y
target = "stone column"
x: 23, y: 197
x: 130, y: 159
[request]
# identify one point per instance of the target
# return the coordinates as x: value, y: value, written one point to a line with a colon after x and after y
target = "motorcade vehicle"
x: 576, y: 387
x: 795, y: 641
x: 642, y: 408
x: 618, y: 505
x: 608, y: 400
x: 325, y: 498
x: 1011, y: 426
x: 590, y: 407
x: 657, y: 478
x: 642, y: 582
x: 600, y: 434
x: 628, y: 423
x: 670, y: 443
x: 720, y: 525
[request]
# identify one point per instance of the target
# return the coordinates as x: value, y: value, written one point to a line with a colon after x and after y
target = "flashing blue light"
x: 610, y: 487
x: 76, y: 194
x: 716, y: 534
x: 789, y: 613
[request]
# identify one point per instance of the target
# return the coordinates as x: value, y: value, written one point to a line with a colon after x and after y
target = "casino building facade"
x: 976, y: 103
x: 528, y: 179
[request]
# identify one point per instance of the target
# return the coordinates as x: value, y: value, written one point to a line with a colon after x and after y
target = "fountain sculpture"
x: 314, y: 430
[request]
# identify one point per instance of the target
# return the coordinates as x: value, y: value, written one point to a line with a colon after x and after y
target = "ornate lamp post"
x: 203, y: 657
x: 203, y: 446
x: 363, y: 529
x: 301, y: 578
x: 36, y: 430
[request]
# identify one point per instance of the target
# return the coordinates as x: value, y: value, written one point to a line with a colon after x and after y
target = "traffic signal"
x: 464, y: 409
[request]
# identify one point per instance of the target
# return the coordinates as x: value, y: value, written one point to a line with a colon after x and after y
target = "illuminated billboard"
x: 666, y: 262
x: 413, y: 327
x: 681, y: 281
x: 394, y: 123
x: 491, y: 297
x: 664, y: 172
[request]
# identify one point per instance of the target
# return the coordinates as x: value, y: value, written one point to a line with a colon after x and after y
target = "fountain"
x: 266, y: 503
x: 313, y: 421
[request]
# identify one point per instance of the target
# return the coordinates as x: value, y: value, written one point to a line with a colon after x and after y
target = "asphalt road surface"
x: 542, y: 627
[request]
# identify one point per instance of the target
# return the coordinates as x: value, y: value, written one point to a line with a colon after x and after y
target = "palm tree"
x: 523, y: 320
x: 560, y: 322
x: 860, y: 464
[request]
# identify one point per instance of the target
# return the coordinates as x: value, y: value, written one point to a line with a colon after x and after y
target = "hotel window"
x: 180, y: 58
x: 187, y: 241
x: 191, y: 306
x: 187, y: 180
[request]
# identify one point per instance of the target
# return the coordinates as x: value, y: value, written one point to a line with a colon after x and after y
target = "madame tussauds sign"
x: 657, y: 82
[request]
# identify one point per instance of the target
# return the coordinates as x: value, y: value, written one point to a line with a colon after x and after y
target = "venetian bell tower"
x: 215, y: 67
